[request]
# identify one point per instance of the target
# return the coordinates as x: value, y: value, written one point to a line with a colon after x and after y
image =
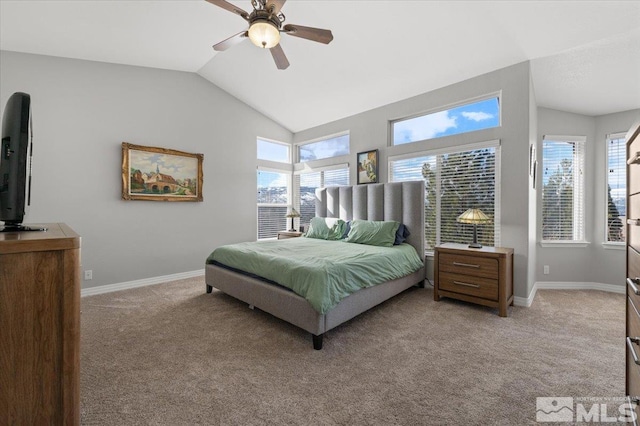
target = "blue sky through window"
x: 273, y: 151
x: 466, y: 118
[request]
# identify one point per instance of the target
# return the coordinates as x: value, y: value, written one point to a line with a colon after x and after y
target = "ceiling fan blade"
x: 230, y: 42
x: 231, y: 8
x: 313, y: 34
x: 276, y: 5
x: 278, y: 55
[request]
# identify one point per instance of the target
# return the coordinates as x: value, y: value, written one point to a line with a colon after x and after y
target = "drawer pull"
x: 466, y: 265
x: 633, y: 222
x: 466, y: 284
x: 630, y: 342
x: 632, y: 283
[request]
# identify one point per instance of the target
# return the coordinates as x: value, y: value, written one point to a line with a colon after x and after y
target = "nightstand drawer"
x: 473, y: 265
x: 473, y: 286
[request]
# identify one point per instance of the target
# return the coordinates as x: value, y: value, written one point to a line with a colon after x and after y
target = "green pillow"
x: 326, y: 228
x: 373, y: 233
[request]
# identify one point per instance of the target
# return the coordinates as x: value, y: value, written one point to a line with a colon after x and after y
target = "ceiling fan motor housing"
x: 264, y: 28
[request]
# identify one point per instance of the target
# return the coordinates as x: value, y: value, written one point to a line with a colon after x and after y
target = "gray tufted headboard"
x: 399, y: 201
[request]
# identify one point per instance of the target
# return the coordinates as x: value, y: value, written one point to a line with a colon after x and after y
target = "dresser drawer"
x: 633, y: 371
x: 633, y: 321
x: 633, y: 375
x: 633, y: 259
x: 634, y: 169
x: 633, y: 212
x: 473, y: 265
x: 486, y: 288
x: 631, y: 292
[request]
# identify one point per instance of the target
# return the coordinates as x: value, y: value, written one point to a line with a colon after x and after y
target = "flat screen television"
x: 15, y: 163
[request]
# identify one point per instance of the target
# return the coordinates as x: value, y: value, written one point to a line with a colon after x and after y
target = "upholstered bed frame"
x: 399, y: 201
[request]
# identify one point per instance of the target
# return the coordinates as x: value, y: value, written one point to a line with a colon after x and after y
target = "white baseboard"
x: 549, y: 285
x: 139, y: 283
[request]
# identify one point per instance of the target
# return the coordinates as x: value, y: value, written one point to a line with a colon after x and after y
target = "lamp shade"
x: 264, y: 34
x: 474, y: 217
x: 291, y: 212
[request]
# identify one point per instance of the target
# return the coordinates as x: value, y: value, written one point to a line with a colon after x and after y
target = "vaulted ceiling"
x: 585, y: 55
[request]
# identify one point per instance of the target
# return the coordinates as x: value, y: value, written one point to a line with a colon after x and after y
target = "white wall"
x: 595, y: 263
x: 370, y: 130
x: 83, y: 111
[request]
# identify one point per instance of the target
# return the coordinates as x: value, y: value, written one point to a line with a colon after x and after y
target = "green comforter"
x: 323, y: 272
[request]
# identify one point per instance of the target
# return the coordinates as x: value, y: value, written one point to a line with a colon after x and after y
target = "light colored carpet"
x: 171, y: 354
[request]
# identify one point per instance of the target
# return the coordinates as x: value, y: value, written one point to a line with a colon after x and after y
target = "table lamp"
x: 474, y: 217
x: 292, y: 213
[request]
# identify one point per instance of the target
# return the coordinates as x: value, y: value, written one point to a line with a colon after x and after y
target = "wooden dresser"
x: 40, y: 327
x: 633, y: 265
x: 483, y: 276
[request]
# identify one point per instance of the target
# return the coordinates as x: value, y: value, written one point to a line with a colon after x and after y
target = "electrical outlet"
x: 546, y: 269
x: 88, y: 274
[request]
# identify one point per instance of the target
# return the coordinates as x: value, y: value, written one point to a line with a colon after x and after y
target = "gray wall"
x: 370, y: 130
x: 82, y: 113
x: 594, y: 263
x: 532, y: 217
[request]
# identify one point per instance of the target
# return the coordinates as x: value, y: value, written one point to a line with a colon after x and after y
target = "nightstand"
x: 288, y: 234
x: 483, y: 276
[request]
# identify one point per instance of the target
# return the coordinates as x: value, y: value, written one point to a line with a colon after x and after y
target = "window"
x: 455, y: 182
x: 563, y: 188
x: 466, y: 118
x: 616, y: 188
x: 273, y: 200
x: 274, y: 151
x: 306, y: 184
x: 328, y: 147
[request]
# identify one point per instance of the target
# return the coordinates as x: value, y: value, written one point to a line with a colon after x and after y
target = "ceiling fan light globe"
x: 264, y: 34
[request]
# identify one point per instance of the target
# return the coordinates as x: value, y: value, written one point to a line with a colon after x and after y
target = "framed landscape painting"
x: 160, y: 174
x: 368, y: 167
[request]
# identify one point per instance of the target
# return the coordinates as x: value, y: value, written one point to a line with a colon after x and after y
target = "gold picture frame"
x: 160, y: 174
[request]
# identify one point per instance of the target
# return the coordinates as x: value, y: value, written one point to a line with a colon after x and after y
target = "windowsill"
x: 614, y: 246
x: 573, y: 244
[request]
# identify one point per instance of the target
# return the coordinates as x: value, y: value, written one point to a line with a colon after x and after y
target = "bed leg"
x: 420, y: 284
x: 209, y: 288
x: 317, y: 341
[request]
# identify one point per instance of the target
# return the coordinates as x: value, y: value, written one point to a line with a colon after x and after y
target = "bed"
x: 402, y: 202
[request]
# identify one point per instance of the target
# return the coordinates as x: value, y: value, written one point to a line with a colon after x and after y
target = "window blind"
x: 273, y: 200
x: 455, y: 182
x: 305, y: 184
x: 563, y: 207
x: 616, y: 188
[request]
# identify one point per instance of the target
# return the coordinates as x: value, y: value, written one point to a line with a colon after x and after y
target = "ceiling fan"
x: 265, y: 25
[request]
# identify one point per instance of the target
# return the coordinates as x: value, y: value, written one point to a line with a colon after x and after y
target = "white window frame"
x: 287, y: 145
x: 306, y: 170
x: 616, y: 245
x: 298, y: 145
x: 452, y: 150
x: 289, y: 195
x: 579, y: 208
x: 465, y: 102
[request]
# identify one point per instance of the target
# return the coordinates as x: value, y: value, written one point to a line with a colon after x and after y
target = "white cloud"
x: 476, y: 116
x: 425, y: 127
